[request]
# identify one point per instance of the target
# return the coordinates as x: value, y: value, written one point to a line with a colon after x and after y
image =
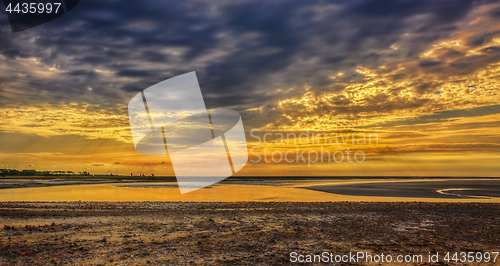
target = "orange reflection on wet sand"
x: 217, y: 193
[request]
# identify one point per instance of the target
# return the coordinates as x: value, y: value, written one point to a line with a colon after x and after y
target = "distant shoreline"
x: 48, y: 181
x: 172, y: 178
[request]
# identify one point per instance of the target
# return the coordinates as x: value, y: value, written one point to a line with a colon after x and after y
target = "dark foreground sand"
x: 256, y: 233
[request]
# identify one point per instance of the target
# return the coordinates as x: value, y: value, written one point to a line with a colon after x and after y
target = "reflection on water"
x: 470, y: 192
x: 236, y: 191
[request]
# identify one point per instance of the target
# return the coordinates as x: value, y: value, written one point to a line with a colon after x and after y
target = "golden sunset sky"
x: 424, y: 76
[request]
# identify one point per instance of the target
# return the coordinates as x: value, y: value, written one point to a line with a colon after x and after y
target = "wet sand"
x: 49, y: 182
x: 244, y: 233
x: 272, y: 190
x: 448, y: 189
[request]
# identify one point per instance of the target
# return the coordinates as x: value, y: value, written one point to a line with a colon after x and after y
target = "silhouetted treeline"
x: 15, y: 172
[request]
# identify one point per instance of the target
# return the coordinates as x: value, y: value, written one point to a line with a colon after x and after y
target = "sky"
x: 421, y: 75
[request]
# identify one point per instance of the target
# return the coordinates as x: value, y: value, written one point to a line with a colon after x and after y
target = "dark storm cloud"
x: 467, y: 62
x: 134, y: 73
x: 495, y: 13
x: 493, y: 49
x: 81, y: 72
x: 482, y: 38
x: 242, y: 51
x: 429, y: 63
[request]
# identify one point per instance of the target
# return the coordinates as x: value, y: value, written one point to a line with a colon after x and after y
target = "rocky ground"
x: 247, y: 233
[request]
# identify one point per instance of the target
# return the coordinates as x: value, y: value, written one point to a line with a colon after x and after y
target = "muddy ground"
x: 245, y: 233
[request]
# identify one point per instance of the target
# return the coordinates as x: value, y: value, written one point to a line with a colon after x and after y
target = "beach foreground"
x: 243, y: 233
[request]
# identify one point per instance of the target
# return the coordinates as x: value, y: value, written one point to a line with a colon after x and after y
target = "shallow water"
x: 263, y: 190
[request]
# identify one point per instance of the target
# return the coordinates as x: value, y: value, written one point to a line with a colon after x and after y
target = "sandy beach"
x: 243, y: 233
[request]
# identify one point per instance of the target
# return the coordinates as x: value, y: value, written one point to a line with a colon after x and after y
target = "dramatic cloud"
x: 246, y: 53
x: 401, y: 67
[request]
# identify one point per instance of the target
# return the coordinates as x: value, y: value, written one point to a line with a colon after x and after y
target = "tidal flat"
x: 236, y: 233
